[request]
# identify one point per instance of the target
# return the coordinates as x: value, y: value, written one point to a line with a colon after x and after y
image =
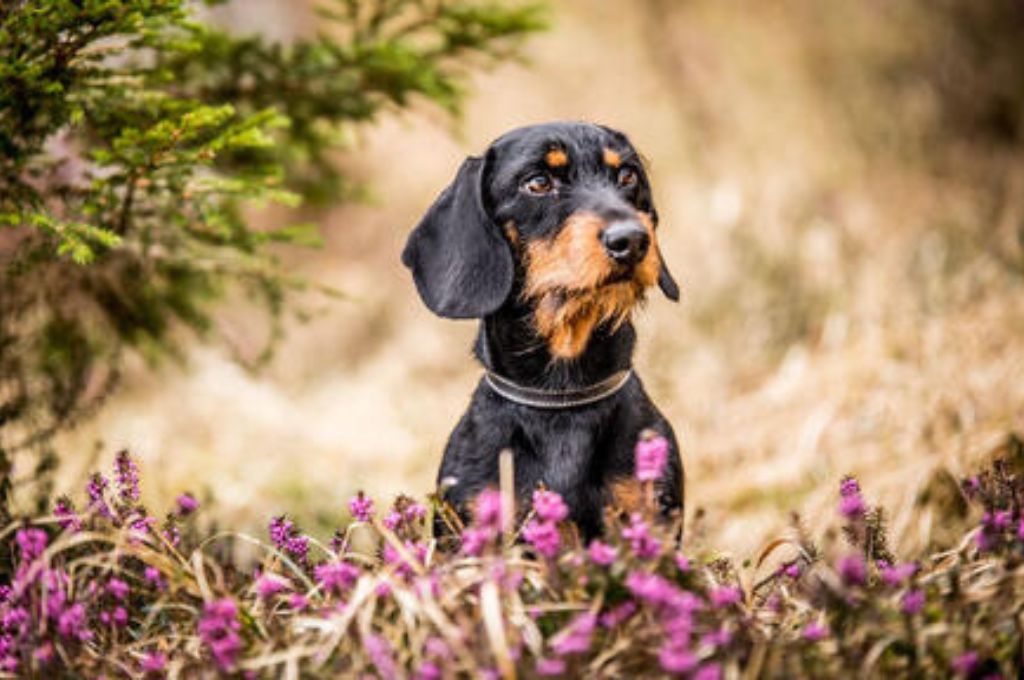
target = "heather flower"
x: 643, y: 544
x: 852, y: 506
x: 219, y: 631
x: 66, y: 516
x: 912, y: 601
x: 814, y: 632
x: 414, y: 511
x: 682, y: 563
x: 393, y: 520
x: 792, y: 570
x: 651, y: 457
x: 576, y: 637
x: 288, y: 540
x: 725, y: 596
x: 155, y: 578
x: 616, y: 616
x: 549, y: 506
x: 361, y: 507
x: 187, y: 504
x: 852, y: 570
x: 895, y: 575
x: 543, y: 536
x: 601, y: 553
x: 428, y: 671
x: 126, y: 474
x: 710, y: 671
x: 966, y: 663
x: 474, y: 540
x: 849, y: 487
x: 550, y: 668
x: 153, y: 662
x: 381, y: 655
x: 487, y: 509
x: 269, y: 585
x: 118, y: 588
x: 298, y: 602
x: 336, y: 576
x: 676, y: 659
x: 718, y: 638
x: 73, y: 623
x: 31, y: 542
x: 43, y: 653
x: 96, y: 488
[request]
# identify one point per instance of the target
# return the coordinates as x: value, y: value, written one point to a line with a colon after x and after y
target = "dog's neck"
x: 508, y: 344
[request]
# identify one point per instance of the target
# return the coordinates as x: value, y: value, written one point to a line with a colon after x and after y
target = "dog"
x: 550, y: 240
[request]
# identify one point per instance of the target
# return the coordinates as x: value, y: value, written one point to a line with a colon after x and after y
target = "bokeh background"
x: 841, y: 188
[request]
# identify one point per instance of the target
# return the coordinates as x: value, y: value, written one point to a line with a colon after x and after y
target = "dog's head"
x: 558, y: 215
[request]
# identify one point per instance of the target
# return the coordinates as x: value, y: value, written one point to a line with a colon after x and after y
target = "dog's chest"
x: 564, y: 451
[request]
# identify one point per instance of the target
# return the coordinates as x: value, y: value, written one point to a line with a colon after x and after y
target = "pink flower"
x: 219, y: 631
x: 966, y: 663
x: 474, y: 540
x: 543, y: 536
x: 336, y: 576
x: 725, y: 597
x: 268, y: 585
x: 852, y: 570
x: 792, y: 570
x: 852, y: 506
x: 814, y: 631
x: 575, y: 639
x: 601, y: 553
x: 643, y: 544
x: 392, y: 520
x: 895, y: 575
x: 65, y: 513
x: 549, y: 506
x: 617, y: 615
x: 550, y: 668
x: 32, y: 542
x: 118, y: 588
x: 651, y: 456
x: 187, y: 504
x: 487, y: 509
x: 154, y: 577
x: 676, y: 659
x: 682, y: 563
x: 380, y: 653
x: 361, y: 507
x: 709, y: 671
x: 912, y: 601
x: 153, y: 662
x: 126, y: 474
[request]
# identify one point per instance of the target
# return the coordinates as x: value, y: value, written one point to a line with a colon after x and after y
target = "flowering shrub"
x: 113, y: 590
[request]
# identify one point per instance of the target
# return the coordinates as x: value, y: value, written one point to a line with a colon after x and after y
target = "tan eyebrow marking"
x: 556, y: 158
x: 612, y: 158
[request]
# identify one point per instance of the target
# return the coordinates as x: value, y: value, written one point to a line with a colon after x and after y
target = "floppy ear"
x: 461, y: 264
x: 667, y: 284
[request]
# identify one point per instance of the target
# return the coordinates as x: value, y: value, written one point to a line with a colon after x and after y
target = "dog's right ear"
x: 461, y: 264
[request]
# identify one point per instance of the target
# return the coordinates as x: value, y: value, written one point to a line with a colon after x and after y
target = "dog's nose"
x: 625, y: 241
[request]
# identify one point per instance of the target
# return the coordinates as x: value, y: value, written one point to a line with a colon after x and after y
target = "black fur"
x: 465, y: 267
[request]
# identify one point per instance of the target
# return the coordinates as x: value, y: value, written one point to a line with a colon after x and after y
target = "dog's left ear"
x: 667, y: 284
x: 461, y: 264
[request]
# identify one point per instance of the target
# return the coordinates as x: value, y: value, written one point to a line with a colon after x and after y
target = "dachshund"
x: 550, y: 240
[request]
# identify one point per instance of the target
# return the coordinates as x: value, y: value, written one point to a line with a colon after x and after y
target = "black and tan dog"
x: 550, y: 240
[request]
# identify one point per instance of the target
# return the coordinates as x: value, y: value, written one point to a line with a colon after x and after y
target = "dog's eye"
x: 627, y: 177
x: 541, y: 183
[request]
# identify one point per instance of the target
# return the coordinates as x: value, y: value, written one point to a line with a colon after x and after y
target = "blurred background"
x: 841, y: 188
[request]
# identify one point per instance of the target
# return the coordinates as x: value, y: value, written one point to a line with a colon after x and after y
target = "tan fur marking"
x: 565, y: 275
x: 627, y: 495
x: 649, y: 268
x: 511, y: 233
x: 556, y: 158
x: 612, y: 158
